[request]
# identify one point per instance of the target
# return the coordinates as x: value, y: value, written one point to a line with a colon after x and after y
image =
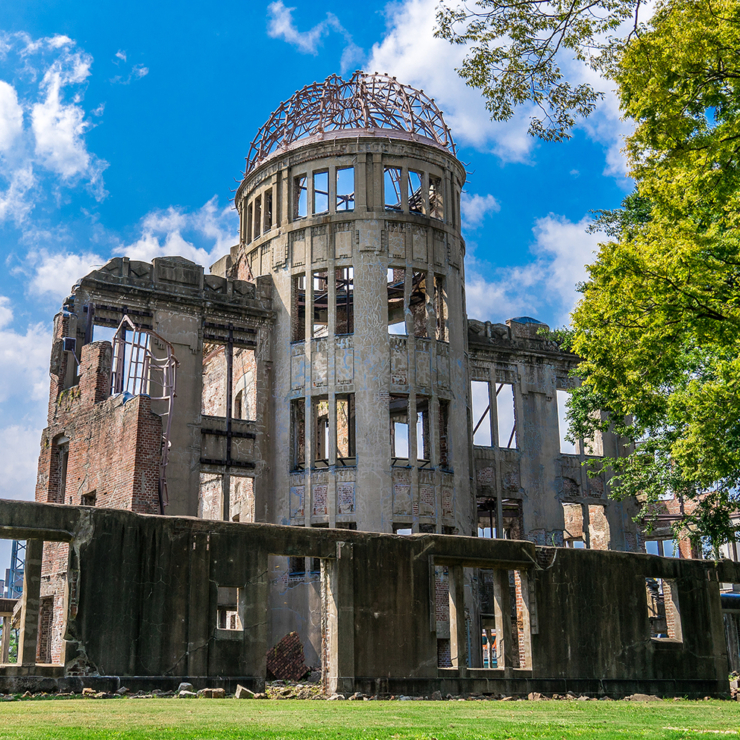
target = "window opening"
x: 480, y: 397
x: 89, y: 498
x: 399, y: 428
x: 257, y: 216
x: 436, y: 204
x: 396, y: 302
x: 103, y: 333
x: 298, y: 313
x: 404, y: 529
x: 320, y: 192
x: 296, y: 567
x: 300, y: 196
x: 392, y: 188
x: 249, y: 223
x: 566, y: 446
x: 211, y: 496
x: 345, y: 323
x: 576, y: 544
x: 416, y: 199
x: 487, y: 518
x: 213, y: 398
x: 347, y: 525
x: 418, y: 303
x: 440, y: 308
x: 664, y: 613
x: 320, y: 326
x: 505, y: 412
x: 244, y: 391
x: 298, y: 433
x: 321, y: 432
x: 444, y: 440
x: 62, y: 448
x: 345, y: 406
x: 268, y: 210
x: 345, y: 189
x: 664, y: 548
x: 422, y: 430
x: 228, y: 609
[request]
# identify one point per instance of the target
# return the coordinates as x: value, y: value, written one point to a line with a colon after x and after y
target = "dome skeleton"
x: 366, y: 102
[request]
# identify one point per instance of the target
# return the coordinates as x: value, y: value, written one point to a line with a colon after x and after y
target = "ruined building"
x: 325, y: 375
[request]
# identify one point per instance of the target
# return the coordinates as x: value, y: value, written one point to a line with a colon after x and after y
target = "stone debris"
x: 243, y: 693
x: 184, y: 686
x: 643, y: 697
x: 212, y: 693
x: 186, y: 695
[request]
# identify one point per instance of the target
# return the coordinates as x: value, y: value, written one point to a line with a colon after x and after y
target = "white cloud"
x: 121, y: 55
x: 55, y: 273
x: 20, y: 445
x: 15, y: 203
x: 281, y: 26
x: 11, y: 116
x: 476, y: 207
x: 545, y: 287
x: 410, y: 52
x: 202, y: 236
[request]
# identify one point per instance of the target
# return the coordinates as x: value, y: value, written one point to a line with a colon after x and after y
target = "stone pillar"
x: 458, y: 633
x: 502, y: 614
x: 29, y: 631
x: 6, y: 640
x: 338, y: 578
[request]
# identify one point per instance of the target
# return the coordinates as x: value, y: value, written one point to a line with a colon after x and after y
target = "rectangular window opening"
x: 320, y: 323
x: 566, y: 446
x: 228, y: 617
x: 298, y: 433
x: 399, y: 428
x: 257, y: 216
x: 249, y: 223
x: 211, y: 496
x: 505, y: 412
x: 267, y: 211
x: 320, y: 439
x: 440, y: 308
x: 320, y: 192
x: 416, y: 197
x: 404, y: 529
x: 244, y: 384
x: 444, y: 438
x: 213, y: 398
x: 423, y: 450
x: 300, y: 196
x: 89, y: 498
x: 346, y: 189
x: 345, y: 405
x: 665, y: 548
x: 298, y: 308
x: 396, y: 302
x: 418, y: 303
x: 296, y: 567
x: 392, y: 188
x: 481, y: 401
x: 436, y: 204
x: 345, y: 319
x: 664, y: 613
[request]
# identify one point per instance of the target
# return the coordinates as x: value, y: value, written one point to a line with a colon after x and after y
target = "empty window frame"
x: 89, y: 498
x: 249, y: 223
x: 321, y: 192
x: 418, y: 303
x: 211, y: 496
x: 423, y: 428
x: 345, y: 183
x: 300, y: 196
x: 436, y: 202
x: 58, y: 482
x: 345, y: 411
x: 506, y: 415
x: 320, y: 323
x: 392, y: 188
x: 244, y: 391
x: 664, y: 613
x: 481, y: 402
x: 298, y: 308
x: 404, y: 529
x: 298, y: 433
x: 664, y: 548
x: 267, y: 211
x: 320, y: 440
x: 416, y: 197
x: 213, y: 397
x: 444, y: 434
x: 399, y: 414
x: 296, y: 567
x: 257, y: 216
x: 228, y: 609
x: 566, y: 446
x: 396, y: 302
x: 440, y: 308
x: 344, y: 300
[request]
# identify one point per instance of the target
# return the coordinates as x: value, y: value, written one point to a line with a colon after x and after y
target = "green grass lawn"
x: 212, y: 719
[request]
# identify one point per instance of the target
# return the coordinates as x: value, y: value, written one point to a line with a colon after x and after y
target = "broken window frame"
x: 396, y: 299
x: 392, y: 188
x: 441, y: 308
x: 298, y: 303
x: 300, y: 196
x: 443, y: 422
x: 321, y: 431
x: 320, y: 303
x: 350, y: 458
x: 320, y: 179
x: 479, y: 417
x: 249, y: 223
x: 418, y: 302
x: 512, y: 437
x: 566, y: 447
x: 298, y: 434
x: 423, y: 431
x: 401, y: 411
x: 344, y: 319
x: 663, y: 605
x: 344, y: 200
x: 257, y: 220
x: 226, y: 616
x: 415, y: 187
x: 267, y: 211
x: 436, y: 198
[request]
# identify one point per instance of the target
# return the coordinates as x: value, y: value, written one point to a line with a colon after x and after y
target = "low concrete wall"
x: 143, y: 597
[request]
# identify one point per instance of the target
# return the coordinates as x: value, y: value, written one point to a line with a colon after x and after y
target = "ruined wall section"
x: 546, y: 494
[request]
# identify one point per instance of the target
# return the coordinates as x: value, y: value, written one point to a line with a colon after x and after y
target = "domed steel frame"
x: 364, y: 103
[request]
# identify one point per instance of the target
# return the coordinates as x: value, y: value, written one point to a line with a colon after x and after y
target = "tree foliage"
x: 658, y: 325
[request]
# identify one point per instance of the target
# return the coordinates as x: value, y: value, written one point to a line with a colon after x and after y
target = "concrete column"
x: 502, y: 614
x: 201, y: 617
x: 526, y: 621
x: 458, y: 633
x: 340, y: 611
x: 28, y: 634
x: 5, y: 651
x: 254, y: 604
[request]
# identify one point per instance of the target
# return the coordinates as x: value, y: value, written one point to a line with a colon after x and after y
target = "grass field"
x: 214, y: 719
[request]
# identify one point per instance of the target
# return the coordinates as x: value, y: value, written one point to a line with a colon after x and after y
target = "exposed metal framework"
x: 14, y: 586
x: 144, y: 363
x: 365, y: 102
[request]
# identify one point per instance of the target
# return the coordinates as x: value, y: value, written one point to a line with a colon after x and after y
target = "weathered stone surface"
x: 243, y: 693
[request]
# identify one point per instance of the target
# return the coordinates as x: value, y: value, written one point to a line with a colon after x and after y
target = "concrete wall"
x: 144, y: 594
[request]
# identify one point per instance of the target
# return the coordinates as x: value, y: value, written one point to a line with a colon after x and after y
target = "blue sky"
x: 124, y: 125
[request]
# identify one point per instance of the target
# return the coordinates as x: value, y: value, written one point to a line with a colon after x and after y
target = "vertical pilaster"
x: 458, y: 632
x: 340, y: 606
x: 502, y: 614
x: 28, y: 635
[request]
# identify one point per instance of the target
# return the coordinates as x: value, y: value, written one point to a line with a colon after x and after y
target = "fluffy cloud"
x: 55, y: 273
x: 202, y: 236
x: 281, y: 26
x: 11, y: 116
x: 476, y: 207
x: 136, y: 73
x: 545, y: 287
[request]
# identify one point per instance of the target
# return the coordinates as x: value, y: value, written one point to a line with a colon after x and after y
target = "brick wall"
x: 244, y: 387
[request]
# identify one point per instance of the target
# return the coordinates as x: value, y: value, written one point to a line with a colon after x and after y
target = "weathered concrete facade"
x: 142, y: 610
